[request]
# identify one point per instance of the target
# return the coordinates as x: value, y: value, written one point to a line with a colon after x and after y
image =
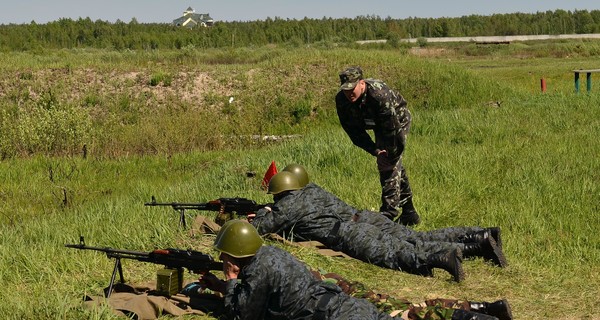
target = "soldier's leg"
x: 390, y: 191
x: 367, y: 243
x: 409, y: 214
x: 382, y: 302
x: 458, y: 234
x: 452, y: 234
x: 396, y: 193
x: 487, y: 249
x: 386, y: 225
x: 441, y: 255
x: 473, y: 241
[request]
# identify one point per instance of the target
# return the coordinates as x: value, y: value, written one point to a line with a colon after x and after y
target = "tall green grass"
x: 529, y: 166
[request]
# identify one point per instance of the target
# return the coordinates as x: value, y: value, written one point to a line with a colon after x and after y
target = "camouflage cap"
x: 350, y: 77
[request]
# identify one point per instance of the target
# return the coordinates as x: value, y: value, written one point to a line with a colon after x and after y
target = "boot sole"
x: 459, y: 273
x: 497, y: 235
x: 498, y: 257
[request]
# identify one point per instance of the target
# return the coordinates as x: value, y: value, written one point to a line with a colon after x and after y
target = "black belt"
x: 321, y: 311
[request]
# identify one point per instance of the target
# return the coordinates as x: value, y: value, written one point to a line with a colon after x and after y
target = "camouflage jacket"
x: 380, y: 109
x: 301, y: 215
x: 275, y: 285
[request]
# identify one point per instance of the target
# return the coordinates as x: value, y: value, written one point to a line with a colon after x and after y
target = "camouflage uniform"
x: 328, y: 202
x: 275, y: 285
x: 314, y: 214
x: 384, y: 111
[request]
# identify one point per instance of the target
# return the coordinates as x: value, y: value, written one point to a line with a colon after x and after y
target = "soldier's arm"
x: 270, y: 220
x: 358, y: 135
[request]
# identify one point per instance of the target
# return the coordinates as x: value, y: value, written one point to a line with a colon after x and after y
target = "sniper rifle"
x: 224, y: 206
x: 170, y: 279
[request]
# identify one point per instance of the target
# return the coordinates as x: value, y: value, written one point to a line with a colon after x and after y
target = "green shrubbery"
x: 45, y: 126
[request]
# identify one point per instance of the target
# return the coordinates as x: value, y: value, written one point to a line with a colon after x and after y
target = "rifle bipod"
x: 118, y: 267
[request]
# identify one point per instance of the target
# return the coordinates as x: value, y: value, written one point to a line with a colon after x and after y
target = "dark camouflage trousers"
x: 433, y: 309
x: 395, y: 188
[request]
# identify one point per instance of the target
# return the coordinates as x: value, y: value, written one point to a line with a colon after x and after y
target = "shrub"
x: 44, y: 127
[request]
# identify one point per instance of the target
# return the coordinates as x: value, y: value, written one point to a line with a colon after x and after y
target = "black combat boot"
x: 487, y: 249
x: 499, y: 309
x: 460, y: 314
x: 409, y: 216
x: 479, y: 236
x: 450, y: 261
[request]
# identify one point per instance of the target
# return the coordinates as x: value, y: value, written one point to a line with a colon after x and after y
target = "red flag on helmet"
x: 268, y: 175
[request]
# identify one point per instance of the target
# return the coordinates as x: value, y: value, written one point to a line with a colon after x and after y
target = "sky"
x: 161, y: 11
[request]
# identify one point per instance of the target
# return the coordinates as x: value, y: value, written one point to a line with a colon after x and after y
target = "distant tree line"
x: 85, y: 33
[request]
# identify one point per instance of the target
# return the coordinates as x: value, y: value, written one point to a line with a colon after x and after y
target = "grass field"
x: 529, y: 165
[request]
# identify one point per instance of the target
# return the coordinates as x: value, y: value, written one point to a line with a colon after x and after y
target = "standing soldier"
x: 369, y: 104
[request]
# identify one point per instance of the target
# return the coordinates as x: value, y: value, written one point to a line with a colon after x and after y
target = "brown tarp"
x: 139, y: 303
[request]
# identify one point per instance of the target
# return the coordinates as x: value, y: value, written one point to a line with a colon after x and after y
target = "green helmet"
x: 300, y: 173
x: 283, y: 181
x: 238, y: 238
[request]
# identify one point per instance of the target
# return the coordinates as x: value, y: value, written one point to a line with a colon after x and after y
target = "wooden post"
x: 543, y: 84
x: 588, y: 76
x: 589, y: 81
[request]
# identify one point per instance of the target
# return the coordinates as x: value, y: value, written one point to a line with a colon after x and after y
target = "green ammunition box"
x: 169, y: 281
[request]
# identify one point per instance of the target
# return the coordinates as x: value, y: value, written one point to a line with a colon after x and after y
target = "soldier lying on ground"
x: 310, y: 213
x: 265, y: 282
x: 473, y: 241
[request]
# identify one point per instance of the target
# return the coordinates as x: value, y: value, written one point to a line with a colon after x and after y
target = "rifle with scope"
x: 224, y: 206
x: 169, y: 279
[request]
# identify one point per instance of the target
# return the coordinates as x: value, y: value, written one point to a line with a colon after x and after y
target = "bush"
x: 159, y: 78
x: 46, y: 127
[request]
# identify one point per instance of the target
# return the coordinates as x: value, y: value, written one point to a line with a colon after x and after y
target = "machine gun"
x: 169, y: 280
x: 224, y: 206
